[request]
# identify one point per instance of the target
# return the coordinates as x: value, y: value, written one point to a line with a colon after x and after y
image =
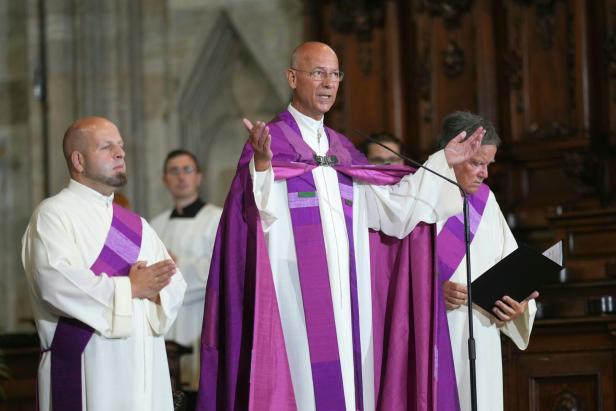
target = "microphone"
x: 472, y: 355
x: 410, y: 160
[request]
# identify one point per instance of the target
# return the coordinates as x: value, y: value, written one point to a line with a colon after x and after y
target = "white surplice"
x: 394, y: 210
x: 191, y: 239
x: 492, y: 242
x: 124, y: 365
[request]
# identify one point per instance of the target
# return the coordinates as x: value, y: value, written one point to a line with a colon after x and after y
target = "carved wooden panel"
x: 566, y: 393
x: 544, y: 71
x: 365, y: 35
x: 545, y: 47
x: 549, y: 54
x: 567, y: 366
x: 606, y: 72
x: 453, y: 67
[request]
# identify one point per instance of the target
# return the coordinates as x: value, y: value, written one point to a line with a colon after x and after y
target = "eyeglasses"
x: 176, y: 171
x: 320, y: 75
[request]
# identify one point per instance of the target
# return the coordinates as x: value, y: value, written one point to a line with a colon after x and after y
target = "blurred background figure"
x: 379, y: 155
x: 188, y: 231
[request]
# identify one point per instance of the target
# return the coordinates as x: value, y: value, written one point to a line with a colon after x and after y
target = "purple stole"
x: 451, y: 249
x: 119, y: 253
x: 316, y: 291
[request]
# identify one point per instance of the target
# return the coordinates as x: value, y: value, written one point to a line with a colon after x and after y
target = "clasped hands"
x: 146, y: 281
x: 505, y: 309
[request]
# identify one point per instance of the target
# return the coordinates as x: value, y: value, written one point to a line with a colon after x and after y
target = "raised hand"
x: 458, y: 150
x: 260, y: 140
x: 508, y: 309
x: 455, y: 294
x: 147, y: 281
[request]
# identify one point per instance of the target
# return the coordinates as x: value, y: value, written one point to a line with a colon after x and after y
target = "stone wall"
x: 169, y: 73
x: 227, y: 63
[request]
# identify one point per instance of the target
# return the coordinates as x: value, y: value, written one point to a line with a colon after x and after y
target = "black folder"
x: 517, y: 275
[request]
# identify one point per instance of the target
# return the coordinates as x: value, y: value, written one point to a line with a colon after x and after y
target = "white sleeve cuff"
x: 519, y: 329
x: 122, y: 308
x: 153, y: 312
x: 262, y: 182
x: 262, y: 186
x: 448, y: 203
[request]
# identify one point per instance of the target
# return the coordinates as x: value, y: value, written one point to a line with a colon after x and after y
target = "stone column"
x: 20, y: 154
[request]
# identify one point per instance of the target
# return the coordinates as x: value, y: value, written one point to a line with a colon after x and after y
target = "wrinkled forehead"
x: 318, y: 57
x: 486, y: 153
x: 100, y: 133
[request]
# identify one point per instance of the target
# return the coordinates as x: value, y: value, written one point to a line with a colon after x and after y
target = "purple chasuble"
x: 244, y: 364
x: 119, y: 253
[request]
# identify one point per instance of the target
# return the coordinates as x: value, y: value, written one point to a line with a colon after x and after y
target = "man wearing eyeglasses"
x: 306, y: 309
x: 188, y: 231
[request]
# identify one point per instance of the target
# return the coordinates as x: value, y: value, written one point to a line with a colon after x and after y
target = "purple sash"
x: 450, y: 245
x: 119, y: 253
x: 451, y: 249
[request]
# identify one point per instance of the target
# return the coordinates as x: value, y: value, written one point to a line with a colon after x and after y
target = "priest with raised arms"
x: 491, y: 241
x: 103, y: 288
x: 321, y: 294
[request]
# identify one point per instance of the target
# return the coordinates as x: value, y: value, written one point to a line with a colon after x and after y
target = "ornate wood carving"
x: 560, y: 124
x: 450, y: 10
x: 568, y: 364
x: 553, y: 130
x: 587, y: 168
x: 610, y: 52
x: 571, y: 57
x: 364, y: 57
x: 514, y: 65
x: 423, y: 79
x: 453, y: 60
x: 545, y: 20
x: 545, y: 23
x: 513, y: 69
x: 359, y: 17
x: 567, y: 401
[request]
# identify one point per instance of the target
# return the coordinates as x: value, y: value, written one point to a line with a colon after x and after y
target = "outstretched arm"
x: 261, y: 171
x: 421, y: 197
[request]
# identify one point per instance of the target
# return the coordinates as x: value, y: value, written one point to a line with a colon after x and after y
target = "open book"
x: 518, y: 275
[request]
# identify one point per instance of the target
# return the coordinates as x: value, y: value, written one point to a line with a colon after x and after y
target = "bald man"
x: 103, y: 288
x: 301, y: 296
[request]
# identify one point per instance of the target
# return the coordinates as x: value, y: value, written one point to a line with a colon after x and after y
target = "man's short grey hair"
x: 459, y: 121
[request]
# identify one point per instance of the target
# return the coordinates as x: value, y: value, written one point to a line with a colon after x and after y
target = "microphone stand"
x: 472, y: 354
